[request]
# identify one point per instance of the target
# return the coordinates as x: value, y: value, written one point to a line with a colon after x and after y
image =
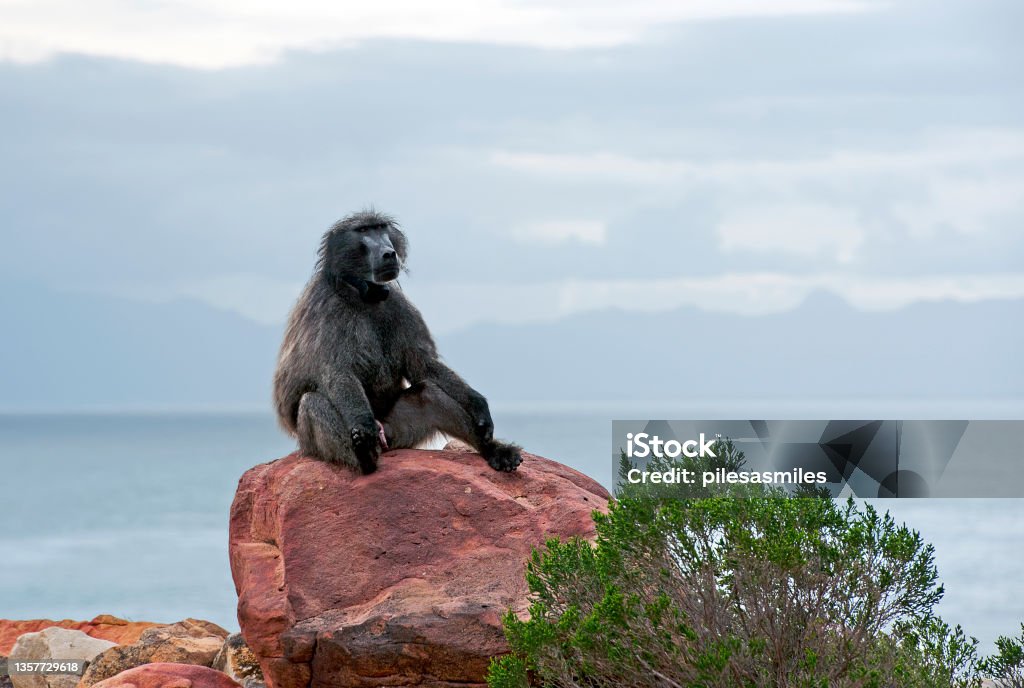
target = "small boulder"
x: 237, y: 661
x: 396, y: 578
x: 191, y: 641
x: 169, y: 675
x: 104, y: 626
x: 54, y: 643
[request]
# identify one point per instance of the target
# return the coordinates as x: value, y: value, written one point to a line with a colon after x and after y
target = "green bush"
x: 724, y: 592
x: 1006, y: 667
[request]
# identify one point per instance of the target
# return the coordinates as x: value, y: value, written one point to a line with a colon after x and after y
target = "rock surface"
x: 397, y: 578
x: 238, y: 661
x: 104, y: 626
x: 54, y: 643
x: 191, y: 641
x: 169, y: 675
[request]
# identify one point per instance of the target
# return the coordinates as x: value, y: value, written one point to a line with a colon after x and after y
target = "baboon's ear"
x: 332, y: 260
x: 327, y: 246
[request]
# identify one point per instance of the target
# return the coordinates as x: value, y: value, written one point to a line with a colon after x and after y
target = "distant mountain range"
x: 822, y: 349
x: 63, y: 352
x: 74, y: 351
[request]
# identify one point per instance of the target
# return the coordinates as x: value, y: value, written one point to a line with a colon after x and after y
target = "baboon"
x: 358, y: 370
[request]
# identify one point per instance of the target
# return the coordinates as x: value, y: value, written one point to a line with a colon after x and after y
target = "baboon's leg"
x: 323, y: 433
x: 424, y: 409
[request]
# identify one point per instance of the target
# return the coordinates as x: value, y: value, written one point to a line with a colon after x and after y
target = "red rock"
x: 168, y: 675
x: 396, y: 578
x: 104, y: 626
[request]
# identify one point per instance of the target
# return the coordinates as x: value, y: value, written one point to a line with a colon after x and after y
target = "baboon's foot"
x: 503, y: 457
x: 366, y: 447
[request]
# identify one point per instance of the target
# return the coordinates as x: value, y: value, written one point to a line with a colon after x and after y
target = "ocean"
x: 126, y: 514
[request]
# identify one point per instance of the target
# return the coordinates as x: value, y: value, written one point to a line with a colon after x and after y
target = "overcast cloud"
x: 545, y: 158
x: 212, y: 34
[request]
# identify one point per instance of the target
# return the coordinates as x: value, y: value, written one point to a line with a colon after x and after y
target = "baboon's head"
x: 363, y: 247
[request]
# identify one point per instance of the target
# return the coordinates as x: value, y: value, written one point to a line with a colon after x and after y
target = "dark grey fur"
x: 357, y: 351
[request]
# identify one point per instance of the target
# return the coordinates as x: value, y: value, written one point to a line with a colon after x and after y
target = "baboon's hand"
x: 366, y: 446
x: 480, y: 415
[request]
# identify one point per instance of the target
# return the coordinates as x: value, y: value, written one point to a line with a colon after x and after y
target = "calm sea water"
x: 127, y: 514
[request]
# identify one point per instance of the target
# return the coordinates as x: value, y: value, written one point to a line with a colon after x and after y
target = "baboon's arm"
x: 430, y: 369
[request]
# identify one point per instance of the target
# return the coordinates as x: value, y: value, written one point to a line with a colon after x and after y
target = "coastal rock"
x: 104, y: 626
x: 54, y: 643
x: 169, y: 675
x: 238, y: 661
x: 396, y: 578
x: 191, y: 641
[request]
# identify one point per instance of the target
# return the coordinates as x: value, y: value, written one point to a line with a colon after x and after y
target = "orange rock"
x: 396, y: 578
x: 103, y: 626
x: 167, y: 675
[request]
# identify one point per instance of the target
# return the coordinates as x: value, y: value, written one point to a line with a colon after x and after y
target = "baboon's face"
x: 376, y: 247
x: 365, y: 246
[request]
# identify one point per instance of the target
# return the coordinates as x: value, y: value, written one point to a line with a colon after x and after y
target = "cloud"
x: 746, y: 293
x: 965, y: 206
x: 934, y: 149
x: 867, y: 205
x: 805, y: 230
x: 212, y: 34
x: 596, y: 167
x: 563, y: 231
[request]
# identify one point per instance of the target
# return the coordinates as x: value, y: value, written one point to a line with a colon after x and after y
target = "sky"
x: 546, y: 159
